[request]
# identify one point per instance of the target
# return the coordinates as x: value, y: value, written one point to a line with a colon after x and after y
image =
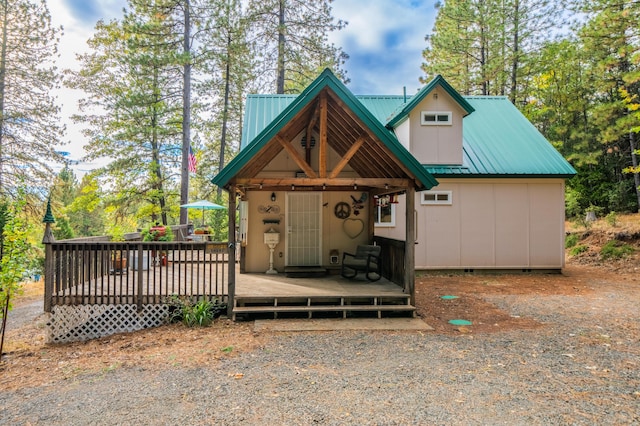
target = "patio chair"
x: 366, y: 259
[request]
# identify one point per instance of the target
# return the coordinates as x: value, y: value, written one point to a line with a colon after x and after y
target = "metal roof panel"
x: 498, y: 141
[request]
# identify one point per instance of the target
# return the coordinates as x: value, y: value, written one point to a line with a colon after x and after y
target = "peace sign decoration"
x: 342, y: 210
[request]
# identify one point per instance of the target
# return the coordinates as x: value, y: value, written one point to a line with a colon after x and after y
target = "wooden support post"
x: 140, y: 275
x: 410, y: 245
x: 231, y: 286
x: 47, y: 240
x: 322, y: 150
x: 48, y: 276
x: 371, y: 228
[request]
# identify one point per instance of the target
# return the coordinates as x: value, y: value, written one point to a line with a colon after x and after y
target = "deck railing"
x: 392, y: 256
x: 89, y: 272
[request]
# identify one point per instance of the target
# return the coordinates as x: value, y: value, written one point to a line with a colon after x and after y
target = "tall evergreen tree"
x: 133, y: 78
x: 227, y: 70
x: 29, y: 117
x: 485, y: 46
x: 290, y: 39
x: 612, y: 38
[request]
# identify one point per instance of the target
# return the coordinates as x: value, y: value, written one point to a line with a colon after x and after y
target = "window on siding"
x: 435, y: 118
x: 385, y: 215
x: 436, y: 197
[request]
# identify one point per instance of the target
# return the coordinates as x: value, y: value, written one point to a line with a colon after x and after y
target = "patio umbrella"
x: 204, y: 205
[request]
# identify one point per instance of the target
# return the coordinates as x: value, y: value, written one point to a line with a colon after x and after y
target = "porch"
x: 277, y: 296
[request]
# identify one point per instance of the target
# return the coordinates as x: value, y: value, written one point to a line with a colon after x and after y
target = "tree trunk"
x: 155, y: 154
x: 516, y: 52
x: 3, y: 70
x: 225, y: 111
x: 186, y: 115
x: 281, y: 44
x: 483, y: 51
x: 634, y: 163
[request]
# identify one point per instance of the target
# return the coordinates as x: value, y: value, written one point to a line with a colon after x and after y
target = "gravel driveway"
x: 580, y: 367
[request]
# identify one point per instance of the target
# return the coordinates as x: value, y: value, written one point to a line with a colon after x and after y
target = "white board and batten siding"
x: 489, y: 224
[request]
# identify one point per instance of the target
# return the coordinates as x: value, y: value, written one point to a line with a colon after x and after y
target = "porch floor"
x: 256, y: 284
x: 274, y: 295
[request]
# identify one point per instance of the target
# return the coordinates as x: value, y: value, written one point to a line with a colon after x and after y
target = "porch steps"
x: 323, y: 304
x: 305, y: 271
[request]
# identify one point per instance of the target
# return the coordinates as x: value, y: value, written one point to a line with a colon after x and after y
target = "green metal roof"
x: 498, y: 141
x: 276, y: 120
x: 261, y: 110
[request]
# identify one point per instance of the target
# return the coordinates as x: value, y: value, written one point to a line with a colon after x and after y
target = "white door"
x: 304, y: 229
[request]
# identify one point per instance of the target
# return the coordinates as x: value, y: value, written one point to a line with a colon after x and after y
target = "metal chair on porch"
x: 366, y: 259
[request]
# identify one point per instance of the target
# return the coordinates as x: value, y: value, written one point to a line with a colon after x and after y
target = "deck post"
x: 410, y: 244
x: 47, y: 240
x: 48, y: 275
x: 140, y: 277
x: 231, y: 286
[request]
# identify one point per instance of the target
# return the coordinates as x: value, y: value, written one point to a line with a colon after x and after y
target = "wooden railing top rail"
x: 178, y: 232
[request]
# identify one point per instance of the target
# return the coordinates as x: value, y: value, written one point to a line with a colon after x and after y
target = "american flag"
x: 192, y: 161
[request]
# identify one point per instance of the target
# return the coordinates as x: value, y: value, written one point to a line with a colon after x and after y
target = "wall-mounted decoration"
x: 271, y: 208
x: 358, y: 204
x: 342, y: 210
x: 353, y: 227
x: 385, y: 200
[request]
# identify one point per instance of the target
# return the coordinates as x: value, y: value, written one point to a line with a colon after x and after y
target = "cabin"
x: 439, y: 180
x: 434, y: 181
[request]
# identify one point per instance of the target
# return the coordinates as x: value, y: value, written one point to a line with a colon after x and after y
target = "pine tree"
x: 29, y: 117
x: 227, y: 70
x: 611, y: 36
x: 134, y: 109
x: 485, y: 46
x: 290, y: 39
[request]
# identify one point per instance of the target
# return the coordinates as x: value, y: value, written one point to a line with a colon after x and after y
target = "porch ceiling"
x: 346, y: 134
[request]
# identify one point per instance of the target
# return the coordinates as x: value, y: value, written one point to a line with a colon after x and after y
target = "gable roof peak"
x: 404, y: 110
x: 327, y: 81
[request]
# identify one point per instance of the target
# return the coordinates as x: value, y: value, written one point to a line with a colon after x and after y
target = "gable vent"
x: 303, y: 141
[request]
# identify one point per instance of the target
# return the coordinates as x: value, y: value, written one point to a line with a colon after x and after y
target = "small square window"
x: 436, y: 197
x: 435, y: 118
x: 385, y: 216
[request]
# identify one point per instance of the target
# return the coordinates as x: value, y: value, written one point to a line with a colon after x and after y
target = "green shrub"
x: 615, y: 249
x: 201, y: 313
x: 571, y: 240
x: 581, y: 222
x: 578, y: 250
x: 612, y: 219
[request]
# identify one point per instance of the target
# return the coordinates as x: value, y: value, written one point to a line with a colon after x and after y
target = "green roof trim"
x: 404, y: 110
x: 329, y: 80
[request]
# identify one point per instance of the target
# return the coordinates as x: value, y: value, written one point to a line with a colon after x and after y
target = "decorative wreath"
x: 342, y: 210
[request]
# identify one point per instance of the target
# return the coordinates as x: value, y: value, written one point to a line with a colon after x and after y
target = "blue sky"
x: 384, y: 40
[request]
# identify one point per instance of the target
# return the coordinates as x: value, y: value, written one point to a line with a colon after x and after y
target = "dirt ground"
x: 28, y: 361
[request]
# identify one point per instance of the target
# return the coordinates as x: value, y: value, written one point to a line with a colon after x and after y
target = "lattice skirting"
x: 84, y: 322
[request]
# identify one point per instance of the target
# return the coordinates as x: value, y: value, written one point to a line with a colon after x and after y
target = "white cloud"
x: 385, y: 41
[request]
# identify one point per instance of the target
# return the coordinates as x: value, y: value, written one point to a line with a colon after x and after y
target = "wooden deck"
x: 278, y: 295
x: 87, y: 275
x: 151, y: 287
